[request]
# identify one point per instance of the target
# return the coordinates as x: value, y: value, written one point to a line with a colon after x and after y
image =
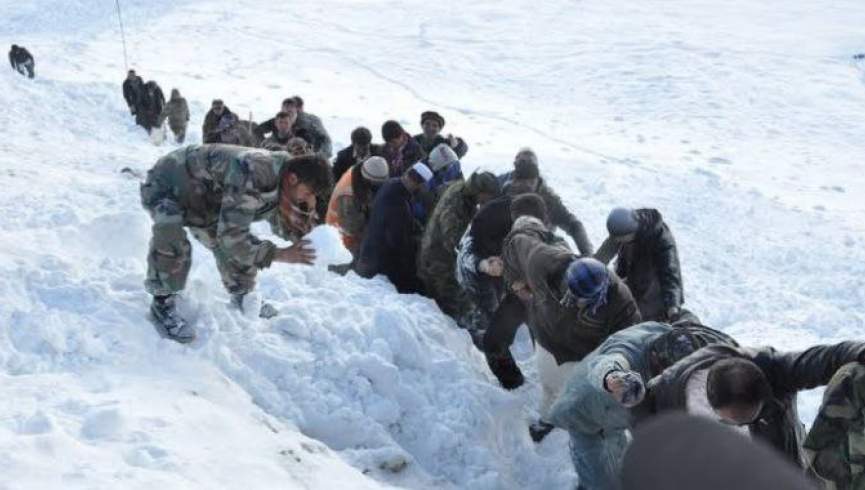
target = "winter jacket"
x: 390, y: 244
x: 441, y: 237
x: 226, y: 188
x: 646, y: 348
x: 788, y: 373
x: 177, y: 112
x: 400, y: 160
x: 151, y: 104
x: 215, y: 128
x: 427, y: 145
x: 275, y: 142
x: 558, y: 214
x: 534, y: 255
x: 429, y: 196
x: 22, y: 61
x: 132, y: 91
x: 348, y: 213
x: 345, y: 159
x: 649, y: 265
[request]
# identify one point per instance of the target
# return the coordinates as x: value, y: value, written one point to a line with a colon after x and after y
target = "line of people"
x: 614, y: 346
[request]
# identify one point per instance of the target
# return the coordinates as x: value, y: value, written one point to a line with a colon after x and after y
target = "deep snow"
x: 740, y: 121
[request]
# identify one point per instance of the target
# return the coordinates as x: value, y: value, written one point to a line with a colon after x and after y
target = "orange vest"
x: 342, y: 189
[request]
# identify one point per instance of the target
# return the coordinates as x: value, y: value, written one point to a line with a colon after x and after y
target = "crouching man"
x: 217, y: 191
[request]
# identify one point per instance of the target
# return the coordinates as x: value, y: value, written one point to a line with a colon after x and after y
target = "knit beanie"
x: 375, y: 170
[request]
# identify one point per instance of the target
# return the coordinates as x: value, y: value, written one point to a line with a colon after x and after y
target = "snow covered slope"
x: 740, y: 121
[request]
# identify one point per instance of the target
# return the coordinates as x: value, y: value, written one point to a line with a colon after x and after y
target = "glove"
x: 505, y: 369
x: 540, y: 429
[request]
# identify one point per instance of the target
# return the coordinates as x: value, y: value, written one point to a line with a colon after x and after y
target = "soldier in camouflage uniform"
x: 442, y: 235
x: 217, y: 191
x: 836, y: 443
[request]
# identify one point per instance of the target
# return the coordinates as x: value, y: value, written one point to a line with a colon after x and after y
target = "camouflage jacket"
x: 227, y: 188
x: 449, y: 220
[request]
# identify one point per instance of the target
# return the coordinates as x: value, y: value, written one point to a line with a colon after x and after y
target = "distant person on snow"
x: 648, y: 261
x: 152, y: 103
x: 217, y: 191
x: 177, y: 113
x: 133, y: 89
x: 432, y: 124
x: 22, y: 61
x: 400, y: 150
x: 391, y: 241
x: 360, y: 149
x: 218, y: 123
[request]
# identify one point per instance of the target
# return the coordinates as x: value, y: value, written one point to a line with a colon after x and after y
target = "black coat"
x: 151, y: 104
x: 391, y: 241
x: 788, y: 373
x: 649, y: 265
x: 132, y: 90
x: 18, y: 56
x: 490, y: 226
x: 461, y: 149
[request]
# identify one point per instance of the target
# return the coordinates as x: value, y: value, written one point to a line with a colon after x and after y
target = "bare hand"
x: 452, y: 141
x: 299, y: 253
x: 492, y: 266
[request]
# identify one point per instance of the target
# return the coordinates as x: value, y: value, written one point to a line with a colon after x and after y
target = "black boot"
x: 164, y: 311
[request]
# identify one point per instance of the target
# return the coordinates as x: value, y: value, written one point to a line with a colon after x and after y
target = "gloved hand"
x: 505, y: 369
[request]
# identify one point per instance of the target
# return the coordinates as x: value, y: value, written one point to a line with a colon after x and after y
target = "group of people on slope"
x: 614, y: 345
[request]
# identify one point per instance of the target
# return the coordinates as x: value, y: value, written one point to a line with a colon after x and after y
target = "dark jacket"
x: 400, y: 160
x: 558, y: 214
x: 19, y: 56
x: 391, y: 241
x: 151, y: 104
x: 649, y: 264
x: 132, y: 90
x: 345, y: 159
x: 788, y: 373
x: 427, y: 145
x: 215, y: 126
x: 534, y: 255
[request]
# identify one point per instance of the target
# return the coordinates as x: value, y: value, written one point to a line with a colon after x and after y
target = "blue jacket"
x: 391, y: 241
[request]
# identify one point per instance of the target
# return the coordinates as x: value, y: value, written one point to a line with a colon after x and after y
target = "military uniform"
x: 216, y: 191
x: 177, y: 113
x: 836, y: 443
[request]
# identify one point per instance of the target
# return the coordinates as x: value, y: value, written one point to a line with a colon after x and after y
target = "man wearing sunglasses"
x: 755, y: 388
x: 216, y: 192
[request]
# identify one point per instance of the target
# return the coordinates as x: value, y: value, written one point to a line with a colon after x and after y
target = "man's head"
x: 529, y: 205
x: 393, y: 134
x: 298, y: 147
x: 298, y: 101
x: 623, y: 225
x: 14, y: 47
x: 289, y: 104
x: 361, y: 139
x: 416, y: 177
x: 175, y: 94
x: 302, y: 181
x: 737, y: 389
x: 284, y: 121
x: 217, y: 106
x: 483, y: 186
x: 432, y: 123
x: 588, y: 281
x: 526, y: 176
x: 130, y: 74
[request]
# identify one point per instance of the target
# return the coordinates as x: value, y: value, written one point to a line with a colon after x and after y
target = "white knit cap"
x: 441, y: 156
x: 423, y: 171
x: 374, y: 169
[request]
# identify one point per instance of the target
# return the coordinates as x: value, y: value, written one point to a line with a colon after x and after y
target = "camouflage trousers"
x: 836, y: 443
x: 442, y: 286
x: 170, y: 256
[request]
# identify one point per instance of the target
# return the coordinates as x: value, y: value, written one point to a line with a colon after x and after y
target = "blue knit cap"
x: 588, y: 279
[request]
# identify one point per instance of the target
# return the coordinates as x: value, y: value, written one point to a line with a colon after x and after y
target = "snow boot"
x: 164, y: 311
